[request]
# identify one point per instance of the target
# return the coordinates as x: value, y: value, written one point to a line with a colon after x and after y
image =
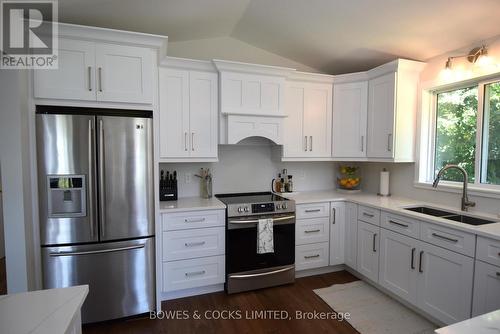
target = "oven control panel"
x: 262, y: 207
x: 238, y: 210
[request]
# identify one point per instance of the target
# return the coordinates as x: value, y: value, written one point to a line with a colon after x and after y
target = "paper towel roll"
x: 384, y: 183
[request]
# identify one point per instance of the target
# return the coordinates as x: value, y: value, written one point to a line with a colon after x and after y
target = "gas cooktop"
x: 258, y: 203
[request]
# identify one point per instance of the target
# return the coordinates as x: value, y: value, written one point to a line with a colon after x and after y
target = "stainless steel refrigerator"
x: 95, y: 182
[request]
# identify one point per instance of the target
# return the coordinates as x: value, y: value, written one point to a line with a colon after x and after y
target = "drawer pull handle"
x: 312, y: 231
x: 195, y: 273
x: 368, y: 214
x: 199, y: 220
x: 397, y: 223
x: 313, y: 210
x: 311, y: 256
x: 193, y: 244
x: 444, y: 238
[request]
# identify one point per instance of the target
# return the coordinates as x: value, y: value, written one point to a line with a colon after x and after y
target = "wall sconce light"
x: 478, y: 55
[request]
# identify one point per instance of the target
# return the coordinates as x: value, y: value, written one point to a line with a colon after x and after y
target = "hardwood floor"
x: 3, y: 277
x: 290, y: 298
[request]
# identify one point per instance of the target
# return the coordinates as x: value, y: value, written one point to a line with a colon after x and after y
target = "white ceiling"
x: 333, y: 36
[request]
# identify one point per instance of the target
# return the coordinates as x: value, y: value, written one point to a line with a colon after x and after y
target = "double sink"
x: 465, y: 219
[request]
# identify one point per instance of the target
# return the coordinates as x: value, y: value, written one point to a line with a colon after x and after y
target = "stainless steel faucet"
x: 465, y: 199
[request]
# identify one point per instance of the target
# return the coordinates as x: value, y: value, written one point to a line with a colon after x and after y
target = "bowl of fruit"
x: 348, y: 178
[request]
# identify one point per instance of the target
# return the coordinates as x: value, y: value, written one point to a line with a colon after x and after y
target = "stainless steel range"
x: 246, y: 269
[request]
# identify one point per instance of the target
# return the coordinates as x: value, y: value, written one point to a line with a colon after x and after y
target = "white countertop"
x: 396, y: 205
x: 488, y: 323
x: 191, y: 204
x: 41, y: 312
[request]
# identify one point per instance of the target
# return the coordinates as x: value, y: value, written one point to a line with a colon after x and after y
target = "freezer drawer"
x: 120, y: 276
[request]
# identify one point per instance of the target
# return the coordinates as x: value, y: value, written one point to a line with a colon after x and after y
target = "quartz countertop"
x: 191, y: 204
x: 396, y: 205
x: 41, y: 312
x: 483, y: 324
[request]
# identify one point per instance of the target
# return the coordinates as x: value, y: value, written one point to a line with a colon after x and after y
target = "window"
x: 466, y: 132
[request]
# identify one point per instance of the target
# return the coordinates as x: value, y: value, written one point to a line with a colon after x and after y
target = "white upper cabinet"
x: 188, y: 112
x: 392, y: 104
x: 124, y: 73
x: 350, y: 106
x: 308, y: 125
x: 75, y: 77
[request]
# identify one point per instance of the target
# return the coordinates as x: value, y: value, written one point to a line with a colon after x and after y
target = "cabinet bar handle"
x: 313, y: 210
x: 397, y: 223
x: 90, y: 77
x: 199, y: 220
x: 412, y: 266
x: 444, y: 238
x: 311, y: 231
x: 374, y: 240
x: 192, y: 244
x: 192, y: 141
x: 99, y: 70
x: 389, y: 140
x: 368, y: 215
x: 311, y: 142
x: 195, y: 273
x: 334, y: 216
x: 305, y: 146
x: 185, y: 141
x: 362, y: 143
x: 498, y: 274
x: 420, y: 270
x: 311, y: 256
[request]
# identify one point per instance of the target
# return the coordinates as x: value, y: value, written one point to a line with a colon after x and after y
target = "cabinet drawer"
x: 400, y: 224
x: 488, y: 250
x: 192, y: 219
x: 314, y: 230
x: 313, y: 210
x: 311, y: 256
x: 188, y: 244
x: 449, y: 238
x: 185, y: 274
x: 369, y: 215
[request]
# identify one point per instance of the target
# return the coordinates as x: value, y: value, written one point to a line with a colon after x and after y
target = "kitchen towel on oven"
x: 265, y: 236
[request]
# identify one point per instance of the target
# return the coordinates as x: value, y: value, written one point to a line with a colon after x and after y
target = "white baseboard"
x: 319, y: 271
x: 191, y: 292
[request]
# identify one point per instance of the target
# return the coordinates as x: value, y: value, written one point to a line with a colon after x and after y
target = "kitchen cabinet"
x: 91, y: 71
x: 392, y: 104
x: 188, y: 114
x: 337, y: 233
x: 398, y: 264
x: 368, y: 250
x: 351, y: 234
x: 486, y: 288
x: 308, y: 125
x: 444, y: 285
x: 350, y: 108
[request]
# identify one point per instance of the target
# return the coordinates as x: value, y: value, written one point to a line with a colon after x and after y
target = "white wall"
x: 244, y: 168
x: 16, y: 180
x: 228, y: 48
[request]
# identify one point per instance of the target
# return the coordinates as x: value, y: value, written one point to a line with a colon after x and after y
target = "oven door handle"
x: 253, y: 221
x: 262, y: 274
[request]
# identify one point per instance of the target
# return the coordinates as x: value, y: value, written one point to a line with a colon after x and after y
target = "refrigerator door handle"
x: 91, y: 179
x: 96, y: 251
x: 102, y: 193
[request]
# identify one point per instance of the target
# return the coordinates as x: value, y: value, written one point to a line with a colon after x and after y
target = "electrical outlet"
x: 302, y: 174
x: 187, y: 178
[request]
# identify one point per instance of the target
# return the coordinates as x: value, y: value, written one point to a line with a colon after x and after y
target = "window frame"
x: 425, y: 166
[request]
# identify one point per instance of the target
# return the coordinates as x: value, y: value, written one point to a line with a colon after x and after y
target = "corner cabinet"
x: 308, y: 125
x: 92, y: 71
x: 337, y: 233
x: 188, y: 115
x: 392, y: 105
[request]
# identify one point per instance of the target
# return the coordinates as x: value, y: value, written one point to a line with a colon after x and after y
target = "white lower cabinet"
x: 368, y: 250
x: 444, y: 285
x: 311, y: 256
x: 486, y: 288
x: 337, y: 233
x: 398, y: 265
x: 351, y: 234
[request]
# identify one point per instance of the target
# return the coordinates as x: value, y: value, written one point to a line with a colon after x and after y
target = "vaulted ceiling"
x: 333, y: 36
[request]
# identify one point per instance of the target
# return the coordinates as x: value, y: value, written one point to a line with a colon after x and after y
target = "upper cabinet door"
x: 124, y: 74
x: 381, y: 107
x: 74, y: 79
x: 203, y: 114
x: 294, y: 144
x: 350, y: 107
x: 174, y: 113
x: 318, y: 120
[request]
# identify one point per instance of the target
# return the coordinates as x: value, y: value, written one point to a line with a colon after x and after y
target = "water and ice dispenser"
x: 66, y: 196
